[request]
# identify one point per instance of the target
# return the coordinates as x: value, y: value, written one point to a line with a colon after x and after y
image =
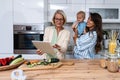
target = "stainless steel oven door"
x: 23, y: 42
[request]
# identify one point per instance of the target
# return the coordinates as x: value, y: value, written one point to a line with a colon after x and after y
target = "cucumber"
x: 54, y: 60
x: 19, y: 56
x: 43, y: 63
x: 16, y: 61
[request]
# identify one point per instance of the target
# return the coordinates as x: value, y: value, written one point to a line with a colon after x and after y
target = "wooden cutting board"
x: 41, y: 67
x: 8, y: 67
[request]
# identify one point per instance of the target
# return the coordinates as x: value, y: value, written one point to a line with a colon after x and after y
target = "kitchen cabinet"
x: 110, y: 14
x: 94, y: 2
x: 6, y: 24
x: 77, y: 1
x: 69, y: 9
x: 66, y: 1
x: 112, y: 2
x: 53, y: 8
x: 28, y: 11
x: 86, y: 1
x: 57, y: 1
x: 75, y: 7
x: 71, y: 15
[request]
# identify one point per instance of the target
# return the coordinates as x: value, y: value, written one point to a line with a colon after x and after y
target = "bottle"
x: 112, y: 46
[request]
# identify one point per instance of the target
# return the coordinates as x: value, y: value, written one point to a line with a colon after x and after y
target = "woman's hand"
x: 57, y: 47
x: 75, y: 36
x: 39, y: 52
x: 84, y: 31
x: 76, y: 32
x: 74, y: 26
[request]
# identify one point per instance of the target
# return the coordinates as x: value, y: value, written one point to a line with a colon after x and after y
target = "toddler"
x: 79, y: 25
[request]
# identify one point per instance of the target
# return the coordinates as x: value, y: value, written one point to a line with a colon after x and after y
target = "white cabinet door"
x: 69, y: 9
x: 77, y: 1
x: 54, y: 7
x: 109, y: 13
x: 6, y: 25
x: 73, y: 11
x: 28, y: 11
x: 94, y: 2
x: 57, y: 1
x: 112, y: 2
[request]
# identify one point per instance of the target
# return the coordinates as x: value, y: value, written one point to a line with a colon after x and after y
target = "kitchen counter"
x: 34, y: 56
x: 25, y: 56
x: 68, y: 55
x: 81, y: 70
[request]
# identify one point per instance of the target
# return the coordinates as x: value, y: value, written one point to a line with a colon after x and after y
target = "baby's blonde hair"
x: 81, y: 12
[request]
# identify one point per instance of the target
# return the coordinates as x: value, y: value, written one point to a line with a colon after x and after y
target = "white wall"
x: 6, y: 27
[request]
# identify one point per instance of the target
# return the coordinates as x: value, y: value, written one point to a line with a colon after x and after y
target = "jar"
x: 112, y: 63
x: 112, y: 46
x: 118, y: 54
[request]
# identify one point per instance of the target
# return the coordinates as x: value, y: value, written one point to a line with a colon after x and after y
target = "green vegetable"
x: 30, y: 66
x: 44, y: 63
x: 16, y: 61
x: 19, y: 56
x: 28, y: 63
x: 53, y: 60
x: 39, y: 63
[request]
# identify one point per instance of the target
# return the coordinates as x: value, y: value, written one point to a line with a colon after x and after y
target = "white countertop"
x: 26, y: 56
x: 31, y: 56
x: 36, y: 56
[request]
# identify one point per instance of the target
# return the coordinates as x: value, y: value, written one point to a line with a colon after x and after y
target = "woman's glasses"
x: 59, y: 19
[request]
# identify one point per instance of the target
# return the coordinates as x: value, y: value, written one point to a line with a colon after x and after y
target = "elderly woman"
x: 88, y: 44
x: 57, y: 35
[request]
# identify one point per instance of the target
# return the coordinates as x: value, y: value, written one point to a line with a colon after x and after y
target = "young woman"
x: 88, y: 44
x: 57, y: 35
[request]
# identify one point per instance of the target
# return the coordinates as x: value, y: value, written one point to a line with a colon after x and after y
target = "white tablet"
x: 45, y: 47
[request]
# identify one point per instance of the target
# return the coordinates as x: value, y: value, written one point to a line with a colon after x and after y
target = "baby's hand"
x: 74, y: 25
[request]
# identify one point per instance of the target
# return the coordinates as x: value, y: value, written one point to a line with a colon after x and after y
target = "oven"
x: 23, y: 40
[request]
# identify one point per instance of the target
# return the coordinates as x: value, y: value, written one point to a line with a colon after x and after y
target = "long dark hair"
x: 97, y: 19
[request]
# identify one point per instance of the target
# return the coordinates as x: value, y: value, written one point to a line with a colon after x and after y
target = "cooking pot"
x: 28, y: 27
